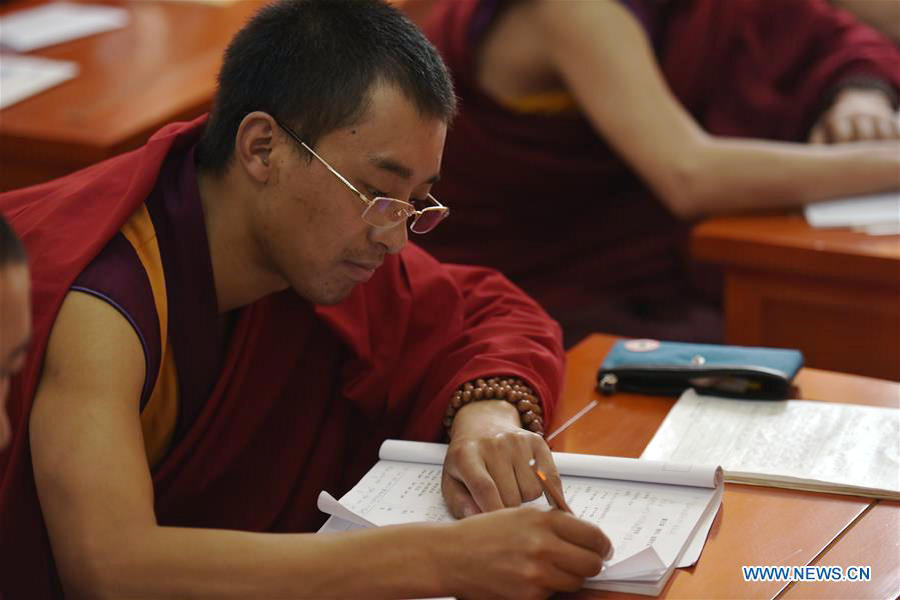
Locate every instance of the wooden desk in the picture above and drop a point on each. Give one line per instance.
(160, 68)
(873, 540)
(834, 294)
(756, 525)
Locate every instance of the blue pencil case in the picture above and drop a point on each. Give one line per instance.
(669, 368)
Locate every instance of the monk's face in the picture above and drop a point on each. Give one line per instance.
(312, 229)
(15, 332)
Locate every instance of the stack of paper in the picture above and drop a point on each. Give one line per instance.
(656, 514)
(796, 444)
(877, 214)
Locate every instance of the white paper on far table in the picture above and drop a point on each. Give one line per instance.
(824, 445)
(25, 76)
(57, 22)
(857, 211)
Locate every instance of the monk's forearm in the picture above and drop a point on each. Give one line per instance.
(734, 175)
(166, 562)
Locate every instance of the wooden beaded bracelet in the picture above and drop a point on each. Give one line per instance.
(511, 389)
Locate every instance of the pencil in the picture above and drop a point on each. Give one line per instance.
(556, 496)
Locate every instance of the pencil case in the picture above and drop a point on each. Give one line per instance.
(669, 368)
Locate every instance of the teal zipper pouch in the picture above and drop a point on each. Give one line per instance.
(669, 368)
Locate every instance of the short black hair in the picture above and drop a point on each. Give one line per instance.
(312, 64)
(11, 249)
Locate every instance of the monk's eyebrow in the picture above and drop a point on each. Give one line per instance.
(395, 168)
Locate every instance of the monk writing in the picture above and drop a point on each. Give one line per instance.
(230, 319)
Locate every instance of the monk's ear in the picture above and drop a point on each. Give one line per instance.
(253, 145)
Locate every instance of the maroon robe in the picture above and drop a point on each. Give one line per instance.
(306, 394)
(545, 200)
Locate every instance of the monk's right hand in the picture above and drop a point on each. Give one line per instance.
(525, 552)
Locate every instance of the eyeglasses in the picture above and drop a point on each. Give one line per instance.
(381, 211)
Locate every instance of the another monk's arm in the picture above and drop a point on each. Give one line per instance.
(96, 496)
(602, 54)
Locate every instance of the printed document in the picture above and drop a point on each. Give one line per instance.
(798, 444)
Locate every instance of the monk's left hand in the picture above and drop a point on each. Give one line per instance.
(486, 467)
(857, 115)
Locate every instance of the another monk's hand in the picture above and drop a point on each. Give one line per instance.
(486, 467)
(857, 115)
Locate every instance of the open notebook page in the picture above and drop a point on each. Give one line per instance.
(635, 515)
(589, 465)
(823, 445)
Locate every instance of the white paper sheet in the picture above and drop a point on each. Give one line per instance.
(337, 525)
(57, 22)
(879, 229)
(858, 211)
(639, 515)
(818, 443)
(634, 515)
(329, 505)
(25, 76)
(695, 547)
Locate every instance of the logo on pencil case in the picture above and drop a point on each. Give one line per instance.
(641, 345)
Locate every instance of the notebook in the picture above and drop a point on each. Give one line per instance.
(656, 514)
(796, 444)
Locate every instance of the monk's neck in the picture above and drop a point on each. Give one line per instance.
(240, 271)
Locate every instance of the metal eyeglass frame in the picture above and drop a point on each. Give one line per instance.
(405, 209)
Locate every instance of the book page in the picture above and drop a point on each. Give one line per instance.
(701, 474)
(825, 443)
(635, 515)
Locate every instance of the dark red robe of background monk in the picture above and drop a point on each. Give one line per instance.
(546, 201)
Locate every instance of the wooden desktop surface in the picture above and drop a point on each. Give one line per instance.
(756, 525)
(833, 293)
(160, 68)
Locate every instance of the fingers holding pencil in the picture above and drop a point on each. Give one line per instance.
(552, 489)
(602, 544)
